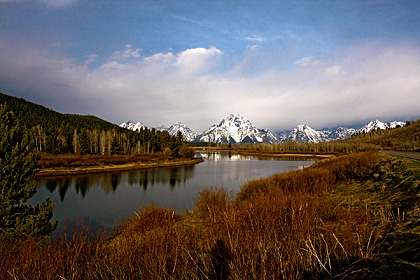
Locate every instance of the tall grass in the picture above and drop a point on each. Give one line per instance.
(284, 226)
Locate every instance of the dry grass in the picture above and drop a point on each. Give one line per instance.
(71, 160)
(284, 226)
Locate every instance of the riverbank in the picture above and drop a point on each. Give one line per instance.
(56, 165)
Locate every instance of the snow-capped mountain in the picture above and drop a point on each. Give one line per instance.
(395, 124)
(236, 129)
(341, 133)
(187, 133)
(304, 133)
(377, 124)
(132, 126)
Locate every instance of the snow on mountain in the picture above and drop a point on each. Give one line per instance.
(373, 125)
(395, 124)
(187, 133)
(377, 124)
(306, 134)
(236, 129)
(341, 133)
(132, 126)
(161, 128)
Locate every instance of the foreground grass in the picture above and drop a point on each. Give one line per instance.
(349, 217)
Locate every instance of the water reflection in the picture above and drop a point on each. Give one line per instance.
(105, 197)
(217, 156)
(109, 182)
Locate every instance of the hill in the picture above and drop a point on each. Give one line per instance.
(57, 133)
(402, 138)
(31, 114)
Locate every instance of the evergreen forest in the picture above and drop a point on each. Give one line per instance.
(56, 133)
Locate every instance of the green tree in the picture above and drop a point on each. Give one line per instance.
(18, 165)
(116, 148)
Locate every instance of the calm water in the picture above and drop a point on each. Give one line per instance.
(110, 197)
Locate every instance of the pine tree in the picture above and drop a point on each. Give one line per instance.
(18, 165)
(116, 148)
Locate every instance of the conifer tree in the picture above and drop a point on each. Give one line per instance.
(18, 165)
(116, 148)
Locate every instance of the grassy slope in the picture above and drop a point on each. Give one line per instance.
(392, 195)
(406, 138)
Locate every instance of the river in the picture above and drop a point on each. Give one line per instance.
(107, 198)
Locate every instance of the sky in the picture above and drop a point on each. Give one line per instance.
(277, 63)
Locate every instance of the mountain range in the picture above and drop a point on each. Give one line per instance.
(237, 129)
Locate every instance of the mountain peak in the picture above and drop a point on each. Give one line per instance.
(132, 126)
(233, 116)
(377, 124)
(237, 129)
(187, 133)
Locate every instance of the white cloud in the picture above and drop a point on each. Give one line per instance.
(250, 35)
(307, 60)
(253, 47)
(165, 87)
(91, 58)
(333, 70)
(128, 52)
(255, 37)
(185, 19)
(160, 58)
(198, 59)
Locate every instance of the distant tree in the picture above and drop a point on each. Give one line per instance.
(175, 143)
(167, 152)
(84, 142)
(18, 165)
(187, 152)
(116, 146)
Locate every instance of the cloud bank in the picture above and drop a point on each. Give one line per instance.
(200, 86)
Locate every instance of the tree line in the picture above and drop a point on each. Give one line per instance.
(56, 133)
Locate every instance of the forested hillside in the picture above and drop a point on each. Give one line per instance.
(405, 138)
(57, 133)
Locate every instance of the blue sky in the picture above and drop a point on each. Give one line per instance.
(277, 63)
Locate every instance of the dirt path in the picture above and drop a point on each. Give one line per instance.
(412, 155)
